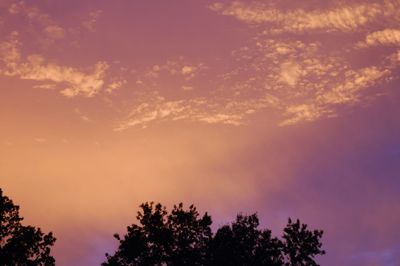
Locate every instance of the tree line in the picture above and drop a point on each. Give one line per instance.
(177, 238)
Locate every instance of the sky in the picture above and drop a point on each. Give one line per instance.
(284, 108)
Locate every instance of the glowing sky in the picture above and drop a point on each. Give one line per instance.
(287, 108)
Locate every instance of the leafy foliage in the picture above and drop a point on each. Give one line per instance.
(183, 237)
(19, 244)
(180, 238)
(301, 245)
(243, 243)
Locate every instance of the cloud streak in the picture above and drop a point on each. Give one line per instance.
(34, 67)
(157, 108)
(343, 18)
(386, 37)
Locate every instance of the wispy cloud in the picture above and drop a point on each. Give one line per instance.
(300, 79)
(115, 85)
(180, 69)
(46, 26)
(155, 109)
(34, 67)
(205, 110)
(290, 73)
(301, 113)
(54, 31)
(288, 65)
(383, 37)
(81, 115)
(348, 90)
(308, 77)
(345, 18)
(90, 23)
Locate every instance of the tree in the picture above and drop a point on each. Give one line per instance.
(242, 243)
(191, 236)
(183, 237)
(180, 238)
(301, 245)
(19, 244)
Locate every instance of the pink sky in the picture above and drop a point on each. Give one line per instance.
(285, 108)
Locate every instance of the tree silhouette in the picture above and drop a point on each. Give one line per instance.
(182, 237)
(243, 243)
(19, 244)
(301, 245)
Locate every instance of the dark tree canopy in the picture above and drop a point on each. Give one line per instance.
(19, 244)
(183, 237)
(178, 238)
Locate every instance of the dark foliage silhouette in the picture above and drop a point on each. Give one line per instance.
(301, 245)
(183, 237)
(178, 238)
(21, 245)
(243, 243)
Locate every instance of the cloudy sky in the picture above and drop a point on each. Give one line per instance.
(285, 108)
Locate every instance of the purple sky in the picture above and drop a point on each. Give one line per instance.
(285, 108)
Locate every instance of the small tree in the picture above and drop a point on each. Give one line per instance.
(184, 238)
(19, 244)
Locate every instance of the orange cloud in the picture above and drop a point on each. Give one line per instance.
(34, 67)
(348, 90)
(383, 37)
(345, 18)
